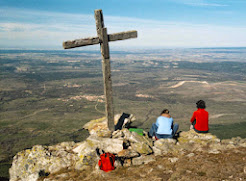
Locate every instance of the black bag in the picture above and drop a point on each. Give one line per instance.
(121, 121)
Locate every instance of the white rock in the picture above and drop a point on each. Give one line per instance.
(84, 148)
(161, 167)
(32, 177)
(128, 153)
(142, 148)
(173, 160)
(143, 160)
(117, 134)
(190, 155)
(157, 151)
(106, 144)
(163, 146)
(214, 151)
(188, 171)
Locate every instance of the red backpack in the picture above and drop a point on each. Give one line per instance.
(106, 162)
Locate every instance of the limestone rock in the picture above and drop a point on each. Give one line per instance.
(161, 167)
(157, 152)
(190, 155)
(214, 151)
(234, 142)
(173, 160)
(127, 153)
(118, 134)
(193, 137)
(142, 148)
(84, 148)
(29, 163)
(124, 133)
(117, 163)
(163, 146)
(138, 143)
(127, 163)
(136, 138)
(99, 126)
(106, 144)
(143, 160)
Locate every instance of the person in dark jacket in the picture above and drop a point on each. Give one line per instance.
(199, 118)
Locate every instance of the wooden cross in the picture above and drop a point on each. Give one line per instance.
(103, 38)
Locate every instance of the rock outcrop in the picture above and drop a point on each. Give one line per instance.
(130, 148)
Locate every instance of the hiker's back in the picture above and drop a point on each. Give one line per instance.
(201, 116)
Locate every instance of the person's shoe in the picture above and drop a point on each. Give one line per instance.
(149, 135)
(153, 138)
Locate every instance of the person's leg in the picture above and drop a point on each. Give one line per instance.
(153, 130)
(175, 128)
(163, 136)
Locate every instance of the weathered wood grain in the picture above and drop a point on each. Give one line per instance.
(99, 20)
(122, 35)
(80, 42)
(108, 92)
(95, 40)
(104, 44)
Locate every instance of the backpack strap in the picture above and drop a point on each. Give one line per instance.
(111, 161)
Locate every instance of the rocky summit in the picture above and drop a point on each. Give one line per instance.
(191, 156)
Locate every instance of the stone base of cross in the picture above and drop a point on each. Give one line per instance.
(103, 38)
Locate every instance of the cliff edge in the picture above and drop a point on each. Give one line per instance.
(191, 156)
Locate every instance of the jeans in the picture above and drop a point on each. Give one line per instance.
(154, 128)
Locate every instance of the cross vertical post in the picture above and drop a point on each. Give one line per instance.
(103, 39)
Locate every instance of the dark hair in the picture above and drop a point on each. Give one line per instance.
(200, 104)
(165, 111)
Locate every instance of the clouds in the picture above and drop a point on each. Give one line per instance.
(21, 27)
(207, 4)
(39, 29)
(18, 27)
(202, 3)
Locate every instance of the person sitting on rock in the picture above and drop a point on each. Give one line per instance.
(199, 119)
(164, 128)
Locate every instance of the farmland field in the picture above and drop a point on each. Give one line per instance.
(47, 96)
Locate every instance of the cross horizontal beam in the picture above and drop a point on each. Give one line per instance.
(95, 40)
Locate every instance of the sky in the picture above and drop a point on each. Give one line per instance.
(45, 24)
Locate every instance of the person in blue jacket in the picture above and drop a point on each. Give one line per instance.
(164, 127)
